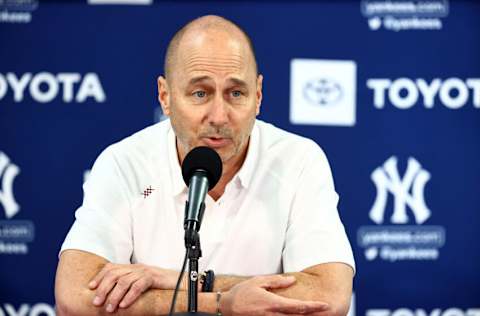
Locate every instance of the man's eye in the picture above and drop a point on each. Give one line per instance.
(200, 94)
(236, 94)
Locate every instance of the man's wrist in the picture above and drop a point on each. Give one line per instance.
(207, 303)
(221, 301)
(218, 299)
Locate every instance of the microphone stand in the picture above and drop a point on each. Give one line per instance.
(194, 252)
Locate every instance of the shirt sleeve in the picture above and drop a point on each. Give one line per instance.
(315, 233)
(103, 222)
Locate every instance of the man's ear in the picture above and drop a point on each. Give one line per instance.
(163, 95)
(259, 93)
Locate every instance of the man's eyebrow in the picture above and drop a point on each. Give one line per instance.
(196, 80)
(238, 82)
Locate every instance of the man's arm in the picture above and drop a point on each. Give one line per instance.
(74, 297)
(74, 294)
(329, 282)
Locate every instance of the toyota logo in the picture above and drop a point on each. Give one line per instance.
(322, 91)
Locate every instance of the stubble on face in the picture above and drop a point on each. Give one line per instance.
(187, 141)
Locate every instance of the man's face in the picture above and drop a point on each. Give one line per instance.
(214, 95)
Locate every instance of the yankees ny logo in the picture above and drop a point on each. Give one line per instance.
(8, 172)
(387, 179)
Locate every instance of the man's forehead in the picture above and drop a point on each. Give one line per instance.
(212, 34)
(213, 61)
(214, 50)
(202, 67)
(220, 44)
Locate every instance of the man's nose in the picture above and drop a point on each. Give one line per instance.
(218, 112)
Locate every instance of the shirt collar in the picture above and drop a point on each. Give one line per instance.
(178, 185)
(244, 174)
(246, 171)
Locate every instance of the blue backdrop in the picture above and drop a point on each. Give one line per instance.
(389, 89)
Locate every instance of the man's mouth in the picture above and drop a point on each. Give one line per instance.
(216, 142)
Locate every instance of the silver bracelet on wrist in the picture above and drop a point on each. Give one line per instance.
(219, 296)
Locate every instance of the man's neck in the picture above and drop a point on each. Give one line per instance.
(230, 169)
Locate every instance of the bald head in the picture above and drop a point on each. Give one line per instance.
(205, 25)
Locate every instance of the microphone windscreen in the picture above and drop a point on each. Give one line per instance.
(202, 158)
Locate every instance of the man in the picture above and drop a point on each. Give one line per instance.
(273, 210)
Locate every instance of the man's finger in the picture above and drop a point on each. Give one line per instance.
(278, 282)
(302, 308)
(106, 285)
(289, 314)
(293, 306)
(99, 276)
(134, 292)
(121, 288)
(292, 314)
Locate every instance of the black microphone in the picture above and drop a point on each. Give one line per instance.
(201, 170)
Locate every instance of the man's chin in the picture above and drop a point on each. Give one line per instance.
(224, 153)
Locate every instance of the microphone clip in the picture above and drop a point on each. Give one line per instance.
(192, 227)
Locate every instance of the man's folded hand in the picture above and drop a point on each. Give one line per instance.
(119, 285)
(252, 297)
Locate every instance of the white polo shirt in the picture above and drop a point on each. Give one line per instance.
(278, 214)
